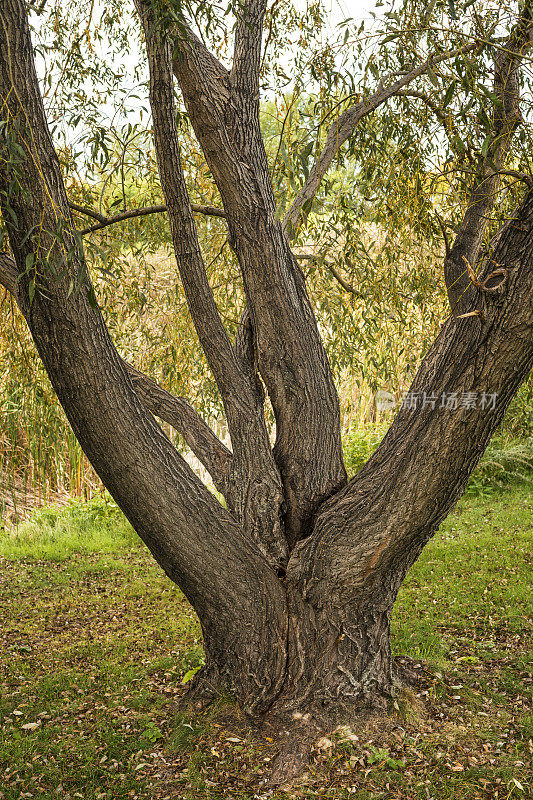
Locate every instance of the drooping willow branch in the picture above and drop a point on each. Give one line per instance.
(343, 127)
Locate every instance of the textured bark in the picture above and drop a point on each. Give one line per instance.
(313, 638)
(224, 111)
(464, 254)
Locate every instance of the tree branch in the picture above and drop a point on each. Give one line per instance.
(255, 477)
(520, 176)
(439, 113)
(291, 358)
(481, 360)
(104, 222)
(348, 287)
(344, 126)
(425, 99)
(466, 247)
(178, 412)
(209, 327)
(88, 212)
(224, 112)
(247, 52)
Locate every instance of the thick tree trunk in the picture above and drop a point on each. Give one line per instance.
(343, 579)
(313, 640)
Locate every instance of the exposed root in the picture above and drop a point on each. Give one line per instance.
(291, 736)
(295, 736)
(203, 690)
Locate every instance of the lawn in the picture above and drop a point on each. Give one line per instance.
(96, 643)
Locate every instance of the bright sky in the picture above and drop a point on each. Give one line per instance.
(336, 11)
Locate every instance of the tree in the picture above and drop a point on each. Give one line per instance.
(295, 577)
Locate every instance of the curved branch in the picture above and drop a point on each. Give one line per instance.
(104, 222)
(88, 212)
(412, 93)
(348, 287)
(439, 113)
(344, 126)
(506, 119)
(520, 176)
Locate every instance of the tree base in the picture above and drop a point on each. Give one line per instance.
(295, 732)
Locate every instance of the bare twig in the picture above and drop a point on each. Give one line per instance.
(520, 176)
(348, 287)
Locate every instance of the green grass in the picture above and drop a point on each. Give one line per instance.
(56, 533)
(472, 581)
(96, 641)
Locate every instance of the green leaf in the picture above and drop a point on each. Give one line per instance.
(486, 145)
(449, 94)
(190, 674)
(92, 299)
(493, 97)
(432, 77)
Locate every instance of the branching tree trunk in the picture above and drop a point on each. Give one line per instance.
(294, 582)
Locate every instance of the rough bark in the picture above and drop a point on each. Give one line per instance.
(256, 487)
(224, 111)
(315, 640)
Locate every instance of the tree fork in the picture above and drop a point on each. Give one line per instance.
(236, 594)
(290, 356)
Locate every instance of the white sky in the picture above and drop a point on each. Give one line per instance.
(336, 10)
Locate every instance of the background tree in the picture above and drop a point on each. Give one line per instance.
(293, 580)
